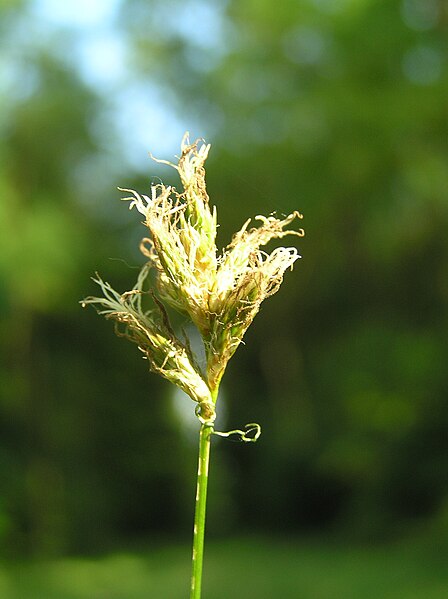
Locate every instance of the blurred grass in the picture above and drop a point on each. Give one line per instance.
(249, 568)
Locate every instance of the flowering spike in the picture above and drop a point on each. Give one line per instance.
(221, 294)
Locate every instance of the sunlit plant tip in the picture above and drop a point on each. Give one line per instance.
(220, 292)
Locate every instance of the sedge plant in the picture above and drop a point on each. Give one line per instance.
(218, 292)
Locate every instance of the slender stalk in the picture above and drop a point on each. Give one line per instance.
(200, 509)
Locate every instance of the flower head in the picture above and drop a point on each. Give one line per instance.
(220, 293)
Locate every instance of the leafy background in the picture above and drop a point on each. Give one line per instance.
(337, 109)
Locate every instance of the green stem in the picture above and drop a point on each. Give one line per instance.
(199, 515)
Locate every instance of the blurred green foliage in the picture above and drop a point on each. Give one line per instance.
(259, 567)
(336, 109)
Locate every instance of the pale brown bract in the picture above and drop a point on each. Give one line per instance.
(220, 292)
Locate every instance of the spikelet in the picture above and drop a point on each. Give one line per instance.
(246, 276)
(153, 334)
(183, 232)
